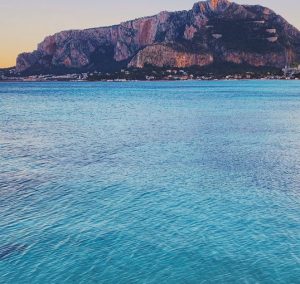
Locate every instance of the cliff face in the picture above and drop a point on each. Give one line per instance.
(161, 56)
(212, 31)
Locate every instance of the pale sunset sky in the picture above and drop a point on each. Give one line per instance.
(25, 23)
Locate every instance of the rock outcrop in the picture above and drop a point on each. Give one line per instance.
(212, 31)
(165, 56)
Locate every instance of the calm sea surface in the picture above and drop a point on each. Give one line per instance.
(162, 182)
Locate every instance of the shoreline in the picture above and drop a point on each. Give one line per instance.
(129, 81)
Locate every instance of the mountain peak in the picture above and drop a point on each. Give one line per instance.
(218, 4)
(214, 31)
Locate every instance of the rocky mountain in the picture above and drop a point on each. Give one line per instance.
(214, 31)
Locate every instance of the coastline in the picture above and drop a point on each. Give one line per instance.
(164, 80)
(153, 74)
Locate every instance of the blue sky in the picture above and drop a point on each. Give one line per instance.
(24, 23)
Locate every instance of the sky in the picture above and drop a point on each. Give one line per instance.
(25, 23)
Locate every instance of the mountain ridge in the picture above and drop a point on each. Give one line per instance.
(212, 31)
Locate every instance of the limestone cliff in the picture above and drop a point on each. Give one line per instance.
(165, 56)
(212, 31)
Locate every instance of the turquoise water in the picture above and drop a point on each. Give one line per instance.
(162, 182)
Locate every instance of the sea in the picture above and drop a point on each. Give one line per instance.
(150, 182)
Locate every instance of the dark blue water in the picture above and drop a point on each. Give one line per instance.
(166, 182)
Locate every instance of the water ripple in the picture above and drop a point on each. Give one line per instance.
(181, 182)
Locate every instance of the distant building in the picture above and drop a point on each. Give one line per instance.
(291, 71)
